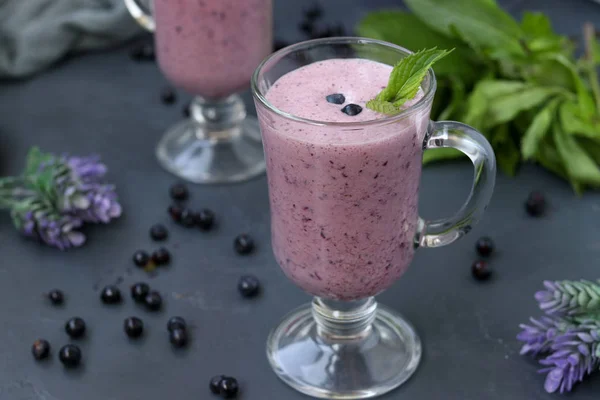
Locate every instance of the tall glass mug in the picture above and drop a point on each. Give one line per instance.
(345, 224)
(210, 48)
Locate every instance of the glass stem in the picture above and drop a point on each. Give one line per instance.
(221, 118)
(344, 320)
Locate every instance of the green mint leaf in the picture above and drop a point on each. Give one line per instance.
(537, 130)
(399, 27)
(580, 167)
(573, 124)
(536, 24)
(507, 152)
(482, 21)
(383, 107)
(405, 80)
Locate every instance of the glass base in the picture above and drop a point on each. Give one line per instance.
(217, 144)
(327, 363)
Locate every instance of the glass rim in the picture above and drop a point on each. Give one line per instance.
(256, 93)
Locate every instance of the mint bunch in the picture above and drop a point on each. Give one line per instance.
(405, 80)
(518, 82)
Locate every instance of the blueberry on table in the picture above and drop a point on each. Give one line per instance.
(352, 109)
(167, 96)
(175, 212)
(139, 291)
(110, 295)
(153, 301)
(161, 256)
(243, 244)
(535, 204)
(307, 27)
(70, 355)
(176, 323)
(188, 218)
(141, 258)
(40, 349)
(178, 337)
(336, 98)
(158, 232)
(134, 327)
(56, 297)
(179, 191)
(215, 384)
(204, 219)
(229, 387)
(484, 246)
(75, 327)
(313, 13)
(480, 270)
(249, 286)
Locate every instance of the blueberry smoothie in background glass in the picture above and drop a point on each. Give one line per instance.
(343, 189)
(210, 48)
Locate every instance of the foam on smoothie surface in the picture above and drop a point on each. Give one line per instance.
(302, 92)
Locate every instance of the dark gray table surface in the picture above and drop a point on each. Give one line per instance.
(107, 104)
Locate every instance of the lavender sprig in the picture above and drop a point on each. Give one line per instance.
(569, 298)
(56, 195)
(568, 338)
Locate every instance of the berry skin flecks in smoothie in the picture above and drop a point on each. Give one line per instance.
(211, 47)
(343, 198)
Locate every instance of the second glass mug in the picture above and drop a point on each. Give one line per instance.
(345, 225)
(210, 48)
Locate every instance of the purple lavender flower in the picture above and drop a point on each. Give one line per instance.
(539, 335)
(87, 169)
(55, 230)
(573, 357)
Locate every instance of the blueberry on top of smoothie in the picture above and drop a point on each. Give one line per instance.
(336, 98)
(352, 109)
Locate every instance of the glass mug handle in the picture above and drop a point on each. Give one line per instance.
(141, 11)
(472, 143)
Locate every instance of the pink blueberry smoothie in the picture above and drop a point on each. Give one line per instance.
(211, 47)
(344, 197)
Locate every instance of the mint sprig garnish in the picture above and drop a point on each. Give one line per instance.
(405, 80)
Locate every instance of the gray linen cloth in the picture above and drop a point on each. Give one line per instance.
(36, 33)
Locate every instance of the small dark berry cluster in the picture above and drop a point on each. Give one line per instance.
(159, 257)
(70, 355)
(310, 25)
(535, 205)
(480, 269)
(349, 109)
(203, 219)
(226, 386)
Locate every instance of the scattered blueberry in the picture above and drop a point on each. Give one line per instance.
(70, 355)
(176, 323)
(249, 286)
(40, 349)
(178, 337)
(179, 191)
(484, 246)
(175, 212)
(280, 44)
(75, 327)
(134, 327)
(215, 383)
(313, 13)
(139, 291)
(188, 218)
(153, 301)
(187, 110)
(535, 204)
(161, 256)
(229, 387)
(144, 52)
(307, 27)
(481, 270)
(56, 297)
(336, 98)
(352, 109)
(204, 219)
(167, 96)
(243, 244)
(141, 258)
(158, 232)
(110, 295)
